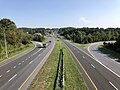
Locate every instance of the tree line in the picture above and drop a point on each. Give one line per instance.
(89, 35)
(17, 37)
(113, 46)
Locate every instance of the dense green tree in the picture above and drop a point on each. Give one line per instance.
(7, 24)
(89, 35)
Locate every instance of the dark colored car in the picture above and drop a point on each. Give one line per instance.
(44, 45)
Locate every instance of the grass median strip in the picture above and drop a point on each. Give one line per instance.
(46, 77)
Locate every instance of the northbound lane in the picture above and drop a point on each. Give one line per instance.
(96, 76)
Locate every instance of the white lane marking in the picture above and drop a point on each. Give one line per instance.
(30, 62)
(102, 63)
(14, 67)
(96, 60)
(39, 54)
(113, 85)
(12, 78)
(26, 59)
(0, 76)
(23, 61)
(92, 65)
(7, 71)
(37, 51)
(19, 63)
(29, 57)
(83, 56)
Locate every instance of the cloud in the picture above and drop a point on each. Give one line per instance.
(83, 20)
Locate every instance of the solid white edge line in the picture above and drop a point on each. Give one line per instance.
(97, 60)
(12, 78)
(102, 63)
(113, 85)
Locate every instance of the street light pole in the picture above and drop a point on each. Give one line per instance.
(5, 44)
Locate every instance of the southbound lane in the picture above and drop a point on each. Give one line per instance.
(96, 76)
(14, 75)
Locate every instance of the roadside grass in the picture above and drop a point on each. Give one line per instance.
(82, 45)
(46, 76)
(15, 51)
(78, 44)
(110, 53)
(45, 40)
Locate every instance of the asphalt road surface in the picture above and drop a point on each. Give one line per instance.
(95, 74)
(105, 59)
(17, 73)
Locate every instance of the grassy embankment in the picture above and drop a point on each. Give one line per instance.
(14, 51)
(80, 45)
(46, 77)
(110, 53)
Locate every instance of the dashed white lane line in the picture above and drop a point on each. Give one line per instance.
(93, 66)
(96, 60)
(26, 59)
(0, 76)
(83, 56)
(12, 78)
(39, 55)
(14, 67)
(7, 71)
(29, 57)
(113, 85)
(19, 63)
(23, 61)
(30, 62)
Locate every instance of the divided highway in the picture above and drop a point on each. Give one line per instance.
(17, 73)
(96, 75)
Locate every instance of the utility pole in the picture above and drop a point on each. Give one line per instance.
(3, 28)
(5, 44)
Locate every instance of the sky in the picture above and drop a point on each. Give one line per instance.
(62, 13)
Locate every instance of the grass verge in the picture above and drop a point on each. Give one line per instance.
(110, 53)
(78, 44)
(16, 51)
(45, 40)
(45, 78)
